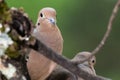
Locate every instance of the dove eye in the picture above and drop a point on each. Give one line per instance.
(41, 15)
(93, 61)
(38, 24)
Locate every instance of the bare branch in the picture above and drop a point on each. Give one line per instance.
(107, 33)
(109, 28)
(63, 61)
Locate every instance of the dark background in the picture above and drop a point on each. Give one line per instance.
(83, 24)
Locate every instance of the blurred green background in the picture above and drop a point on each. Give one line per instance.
(83, 24)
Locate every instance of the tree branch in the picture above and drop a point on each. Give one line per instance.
(64, 62)
(109, 28)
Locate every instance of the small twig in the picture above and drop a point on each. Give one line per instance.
(107, 33)
(109, 28)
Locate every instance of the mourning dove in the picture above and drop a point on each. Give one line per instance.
(39, 67)
(62, 74)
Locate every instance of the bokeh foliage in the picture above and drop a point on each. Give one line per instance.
(83, 24)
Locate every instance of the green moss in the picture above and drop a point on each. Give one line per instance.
(2, 29)
(13, 50)
(4, 13)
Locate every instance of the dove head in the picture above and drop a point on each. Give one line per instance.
(88, 65)
(84, 55)
(46, 17)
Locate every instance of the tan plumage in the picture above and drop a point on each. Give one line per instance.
(39, 67)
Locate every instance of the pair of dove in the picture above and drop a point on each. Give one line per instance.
(40, 67)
